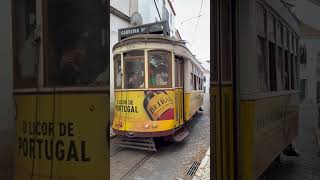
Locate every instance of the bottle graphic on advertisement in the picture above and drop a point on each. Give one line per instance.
(158, 105)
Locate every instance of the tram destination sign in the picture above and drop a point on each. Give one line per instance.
(152, 28)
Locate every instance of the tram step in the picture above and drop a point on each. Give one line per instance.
(147, 144)
(180, 135)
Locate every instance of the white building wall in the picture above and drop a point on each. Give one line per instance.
(6, 103)
(115, 24)
(308, 71)
(148, 11)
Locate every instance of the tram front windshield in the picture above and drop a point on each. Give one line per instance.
(159, 69)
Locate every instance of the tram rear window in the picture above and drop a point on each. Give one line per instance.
(159, 69)
(134, 69)
(76, 46)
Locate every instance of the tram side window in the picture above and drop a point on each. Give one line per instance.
(159, 69)
(280, 73)
(262, 65)
(297, 72)
(286, 70)
(133, 62)
(292, 74)
(272, 67)
(195, 82)
(76, 44)
(26, 50)
(117, 71)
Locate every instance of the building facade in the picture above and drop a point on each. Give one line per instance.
(310, 65)
(120, 17)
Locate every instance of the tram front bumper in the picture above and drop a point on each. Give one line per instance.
(144, 134)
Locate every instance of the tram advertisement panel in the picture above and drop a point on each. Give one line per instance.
(132, 107)
(59, 143)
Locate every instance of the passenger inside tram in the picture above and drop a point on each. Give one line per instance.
(158, 69)
(72, 65)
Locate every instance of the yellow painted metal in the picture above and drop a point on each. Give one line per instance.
(223, 117)
(246, 139)
(75, 124)
(135, 117)
(193, 101)
(267, 127)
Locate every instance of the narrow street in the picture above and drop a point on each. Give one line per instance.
(306, 166)
(171, 161)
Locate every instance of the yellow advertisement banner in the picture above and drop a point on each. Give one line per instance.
(134, 108)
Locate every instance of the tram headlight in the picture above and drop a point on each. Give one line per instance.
(147, 126)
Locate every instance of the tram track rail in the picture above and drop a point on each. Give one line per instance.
(138, 165)
(117, 151)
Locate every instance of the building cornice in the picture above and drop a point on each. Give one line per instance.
(119, 14)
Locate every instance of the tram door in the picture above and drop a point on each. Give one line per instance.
(222, 80)
(179, 91)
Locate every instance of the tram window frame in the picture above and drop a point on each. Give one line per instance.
(81, 43)
(116, 73)
(169, 73)
(134, 58)
(191, 83)
(280, 70)
(262, 68)
(297, 72)
(279, 33)
(272, 27)
(261, 20)
(272, 67)
(24, 34)
(286, 70)
(292, 72)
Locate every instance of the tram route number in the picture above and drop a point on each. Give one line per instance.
(46, 140)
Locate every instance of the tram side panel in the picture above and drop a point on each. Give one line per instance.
(269, 126)
(144, 112)
(59, 141)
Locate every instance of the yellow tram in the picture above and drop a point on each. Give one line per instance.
(60, 89)
(255, 91)
(158, 85)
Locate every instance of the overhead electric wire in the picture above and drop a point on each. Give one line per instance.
(195, 30)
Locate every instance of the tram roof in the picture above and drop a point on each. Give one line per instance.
(156, 38)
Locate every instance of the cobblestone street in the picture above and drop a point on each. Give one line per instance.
(306, 166)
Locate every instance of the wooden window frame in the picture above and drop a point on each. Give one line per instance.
(170, 75)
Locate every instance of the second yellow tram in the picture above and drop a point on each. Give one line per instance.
(158, 86)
